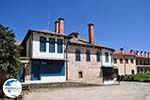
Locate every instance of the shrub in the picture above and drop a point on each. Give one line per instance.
(137, 77)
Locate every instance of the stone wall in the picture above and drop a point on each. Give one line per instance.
(28, 72)
(27, 68)
(56, 85)
(91, 71)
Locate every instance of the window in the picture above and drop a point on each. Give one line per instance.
(141, 62)
(121, 61)
(42, 44)
(141, 70)
(115, 60)
(132, 61)
(106, 57)
(144, 62)
(98, 56)
(80, 74)
(132, 71)
(137, 62)
(78, 56)
(51, 45)
(145, 70)
(59, 45)
(126, 61)
(88, 55)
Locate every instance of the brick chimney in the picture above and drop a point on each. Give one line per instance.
(61, 26)
(137, 52)
(91, 33)
(141, 53)
(131, 51)
(145, 54)
(121, 49)
(148, 54)
(56, 26)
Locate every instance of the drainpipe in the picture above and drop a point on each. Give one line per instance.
(101, 74)
(101, 58)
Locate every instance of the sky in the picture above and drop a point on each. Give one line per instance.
(117, 23)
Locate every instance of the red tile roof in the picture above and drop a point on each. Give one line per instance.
(128, 53)
(123, 53)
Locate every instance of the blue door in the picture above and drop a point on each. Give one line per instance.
(35, 72)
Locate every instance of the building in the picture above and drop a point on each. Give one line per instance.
(87, 61)
(43, 55)
(56, 57)
(143, 61)
(125, 61)
(131, 62)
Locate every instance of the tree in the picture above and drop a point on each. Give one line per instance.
(9, 53)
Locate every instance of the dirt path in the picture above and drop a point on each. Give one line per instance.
(124, 91)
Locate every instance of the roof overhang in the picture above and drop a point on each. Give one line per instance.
(44, 32)
(92, 45)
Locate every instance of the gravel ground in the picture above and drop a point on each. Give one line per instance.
(124, 91)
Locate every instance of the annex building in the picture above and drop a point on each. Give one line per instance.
(131, 62)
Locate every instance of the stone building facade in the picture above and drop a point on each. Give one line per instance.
(83, 71)
(87, 61)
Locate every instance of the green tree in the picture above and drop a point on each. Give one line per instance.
(9, 53)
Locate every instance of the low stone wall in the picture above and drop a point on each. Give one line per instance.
(59, 84)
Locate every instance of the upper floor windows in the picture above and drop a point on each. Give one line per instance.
(141, 63)
(121, 60)
(98, 56)
(88, 58)
(132, 61)
(51, 45)
(78, 55)
(106, 57)
(127, 61)
(115, 60)
(59, 46)
(43, 44)
(137, 62)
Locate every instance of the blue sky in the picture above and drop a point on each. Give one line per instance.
(118, 23)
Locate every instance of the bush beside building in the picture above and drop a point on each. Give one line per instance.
(142, 77)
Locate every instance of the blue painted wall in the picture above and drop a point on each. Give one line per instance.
(47, 68)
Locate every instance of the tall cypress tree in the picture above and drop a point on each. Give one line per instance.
(9, 54)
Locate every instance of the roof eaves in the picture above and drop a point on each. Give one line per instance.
(92, 45)
(31, 31)
(52, 33)
(26, 36)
